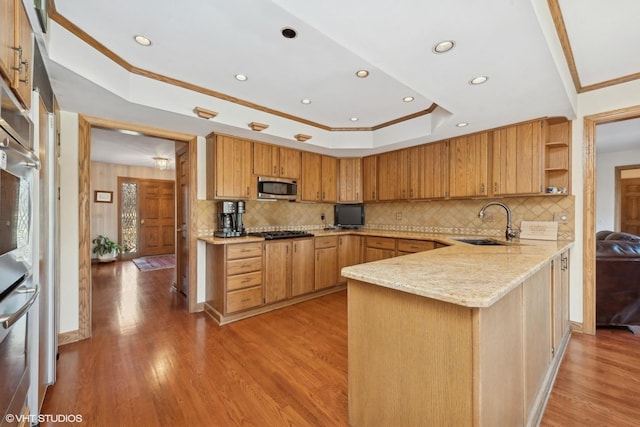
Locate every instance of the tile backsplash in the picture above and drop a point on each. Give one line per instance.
(447, 216)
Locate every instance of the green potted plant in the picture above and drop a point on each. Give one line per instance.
(105, 248)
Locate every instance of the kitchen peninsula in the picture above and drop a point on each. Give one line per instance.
(461, 335)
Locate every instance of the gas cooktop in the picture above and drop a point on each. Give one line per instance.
(283, 234)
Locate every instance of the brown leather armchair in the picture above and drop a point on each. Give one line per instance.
(617, 279)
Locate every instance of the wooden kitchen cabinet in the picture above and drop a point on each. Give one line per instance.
(319, 175)
(560, 297)
(326, 262)
(277, 271)
(302, 267)
(350, 180)
(410, 246)
(468, 165)
(377, 248)
(557, 155)
(428, 171)
(369, 178)
(517, 159)
(234, 278)
(16, 49)
(349, 253)
(271, 160)
(229, 168)
(393, 175)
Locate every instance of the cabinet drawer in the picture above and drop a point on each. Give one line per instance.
(388, 243)
(326, 242)
(407, 245)
(247, 250)
(243, 299)
(241, 281)
(240, 266)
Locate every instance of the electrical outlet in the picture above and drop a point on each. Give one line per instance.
(561, 217)
(398, 216)
(321, 217)
(488, 217)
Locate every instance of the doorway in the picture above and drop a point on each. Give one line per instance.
(85, 125)
(146, 217)
(628, 199)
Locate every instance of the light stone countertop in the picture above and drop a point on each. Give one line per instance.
(462, 274)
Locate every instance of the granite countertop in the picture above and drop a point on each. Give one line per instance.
(462, 274)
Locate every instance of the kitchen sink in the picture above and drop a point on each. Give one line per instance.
(482, 242)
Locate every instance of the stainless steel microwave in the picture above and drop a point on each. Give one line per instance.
(277, 188)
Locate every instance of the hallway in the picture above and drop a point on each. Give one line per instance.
(150, 363)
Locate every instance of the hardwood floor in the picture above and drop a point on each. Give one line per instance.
(598, 383)
(150, 363)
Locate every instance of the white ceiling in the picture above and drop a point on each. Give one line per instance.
(203, 44)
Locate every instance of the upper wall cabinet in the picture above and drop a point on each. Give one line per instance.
(393, 175)
(271, 160)
(468, 162)
(557, 158)
(229, 168)
(517, 159)
(350, 180)
(318, 178)
(369, 178)
(428, 171)
(16, 49)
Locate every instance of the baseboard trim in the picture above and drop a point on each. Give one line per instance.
(576, 327)
(69, 337)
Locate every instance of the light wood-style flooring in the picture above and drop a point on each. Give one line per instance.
(150, 363)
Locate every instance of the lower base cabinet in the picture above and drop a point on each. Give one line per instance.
(419, 361)
(326, 262)
(302, 267)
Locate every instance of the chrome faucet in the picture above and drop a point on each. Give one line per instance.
(510, 233)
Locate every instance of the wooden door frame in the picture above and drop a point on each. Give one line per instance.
(85, 124)
(588, 210)
(617, 220)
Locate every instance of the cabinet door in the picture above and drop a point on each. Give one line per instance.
(265, 159)
(560, 293)
(369, 178)
(517, 159)
(468, 165)
(22, 77)
(232, 168)
(350, 180)
(311, 177)
(289, 163)
(393, 171)
(428, 168)
(329, 179)
(349, 253)
(277, 271)
(7, 38)
(302, 267)
(326, 267)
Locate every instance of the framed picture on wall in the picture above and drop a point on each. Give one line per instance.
(103, 196)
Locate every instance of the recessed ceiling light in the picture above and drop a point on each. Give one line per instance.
(478, 80)
(288, 33)
(241, 77)
(306, 101)
(354, 119)
(142, 40)
(362, 73)
(408, 98)
(444, 46)
(462, 124)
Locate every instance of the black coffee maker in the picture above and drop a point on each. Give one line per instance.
(230, 219)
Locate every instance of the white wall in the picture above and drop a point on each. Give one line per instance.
(69, 243)
(606, 184)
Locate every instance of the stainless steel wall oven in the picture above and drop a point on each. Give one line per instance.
(17, 292)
